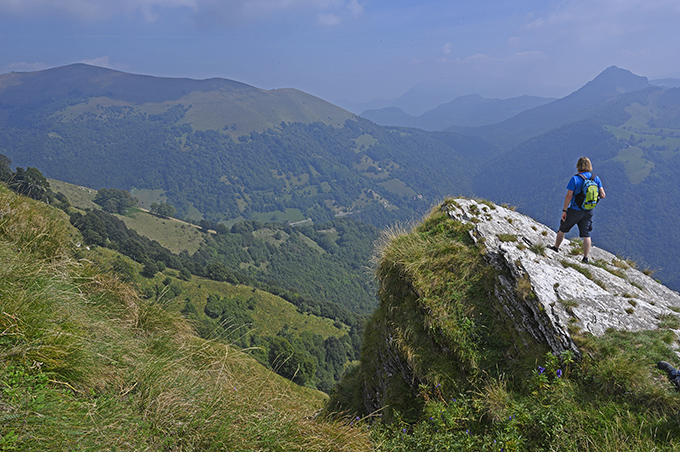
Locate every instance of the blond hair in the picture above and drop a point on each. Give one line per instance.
(584, 165)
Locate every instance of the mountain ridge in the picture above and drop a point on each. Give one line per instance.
(579, 105)
(86, 88)
(471, 110)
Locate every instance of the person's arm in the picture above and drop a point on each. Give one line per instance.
(602, 193)
(567, 201)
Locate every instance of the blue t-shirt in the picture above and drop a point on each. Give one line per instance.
(575, 184)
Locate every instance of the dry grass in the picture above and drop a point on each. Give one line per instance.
(86, 364)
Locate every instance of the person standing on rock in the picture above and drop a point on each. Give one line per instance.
(574, 212)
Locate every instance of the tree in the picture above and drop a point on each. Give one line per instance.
(163, 210)
(6, 172)
(114, 200)
(214, 306)
(290, 363)
(150, 269)
(30, 183)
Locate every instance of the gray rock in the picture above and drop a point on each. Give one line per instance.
(561, 293)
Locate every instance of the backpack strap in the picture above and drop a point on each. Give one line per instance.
(592, 176)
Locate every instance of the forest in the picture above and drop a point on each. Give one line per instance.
(320, 170)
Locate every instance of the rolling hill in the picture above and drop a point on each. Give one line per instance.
(222, 150)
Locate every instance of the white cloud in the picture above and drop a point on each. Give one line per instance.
(329, 19)
(153, 10)
(446, 49)
(355, 7)
(595, 20)
(22, 66)
(92, 10)
(105, 61)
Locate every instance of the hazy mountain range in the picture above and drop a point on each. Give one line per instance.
(226, 151)
(467, 111)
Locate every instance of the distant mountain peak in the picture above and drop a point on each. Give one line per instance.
(613, 81)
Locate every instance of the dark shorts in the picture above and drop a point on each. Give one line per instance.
(582, 218)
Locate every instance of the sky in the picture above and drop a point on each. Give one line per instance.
(351, 52)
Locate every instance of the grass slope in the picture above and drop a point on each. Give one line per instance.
(86, 364)
(173, 234)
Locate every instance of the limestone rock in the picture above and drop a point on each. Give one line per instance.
(561, 293)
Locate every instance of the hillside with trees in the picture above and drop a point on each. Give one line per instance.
(322, 163)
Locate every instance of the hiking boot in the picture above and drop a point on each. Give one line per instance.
(554, 248)
(671, 372)
(584, 260)
(666, 367)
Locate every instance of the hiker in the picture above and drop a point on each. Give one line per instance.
(577, 208)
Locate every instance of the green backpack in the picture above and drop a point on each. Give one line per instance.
(589, 194)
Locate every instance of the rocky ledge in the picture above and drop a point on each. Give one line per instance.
(550, 295)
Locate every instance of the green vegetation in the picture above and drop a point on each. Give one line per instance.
(87, 364)
(261, 256)
(114, 201)
(206, 174)
(472, 390)
(329, 258)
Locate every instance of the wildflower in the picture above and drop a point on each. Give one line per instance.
(559, 373)
(541, 370)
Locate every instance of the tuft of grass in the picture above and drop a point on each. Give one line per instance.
(579, 268)
(620, 263)
(576, 247)
(569, 305)
(604, 265)
(507, 237)
(669, 321)
(524, 289)
(538, 248)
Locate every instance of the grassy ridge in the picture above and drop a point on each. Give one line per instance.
(86, 364)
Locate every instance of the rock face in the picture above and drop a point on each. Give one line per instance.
(560, 293)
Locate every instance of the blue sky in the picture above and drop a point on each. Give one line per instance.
(352, 50)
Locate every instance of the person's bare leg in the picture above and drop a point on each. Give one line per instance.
(559, 238)
(586, 246)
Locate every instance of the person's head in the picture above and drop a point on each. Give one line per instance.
(584, 165)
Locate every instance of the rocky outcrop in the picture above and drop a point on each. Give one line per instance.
(550, 295)
(475, 290)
